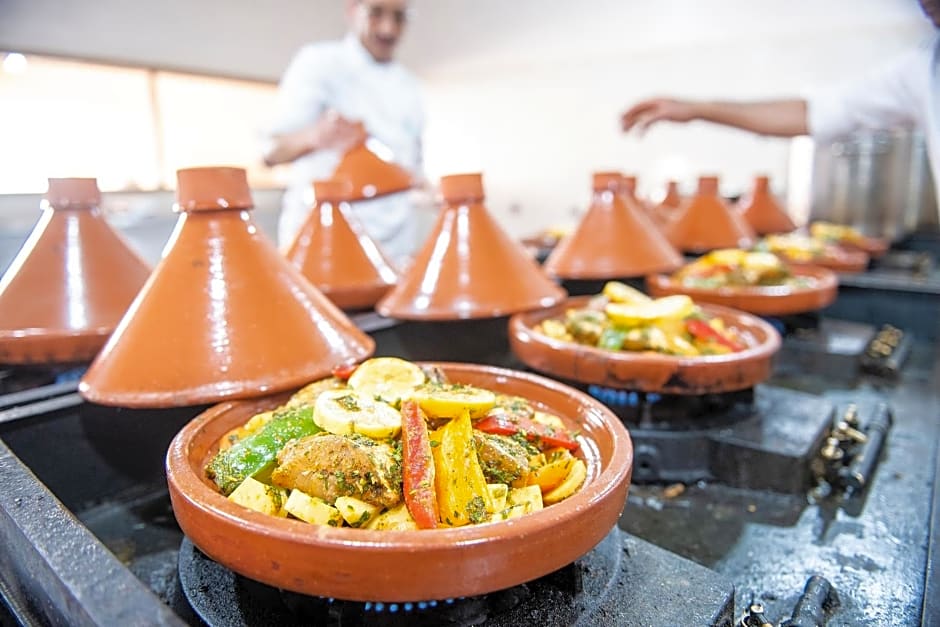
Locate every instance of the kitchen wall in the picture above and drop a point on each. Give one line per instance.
(528, 91)
(535, 100)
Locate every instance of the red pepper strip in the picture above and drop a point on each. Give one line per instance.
(501, 424)
(417, 466)
(710, 271)
(344, 371)
(704, 331)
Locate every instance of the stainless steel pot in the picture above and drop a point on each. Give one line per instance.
(877, 181)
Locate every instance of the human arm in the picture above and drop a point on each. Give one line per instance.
(781, 118)
(303, 120)
(330, 131)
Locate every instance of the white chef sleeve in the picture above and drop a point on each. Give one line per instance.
(302, 92)
(885, 98)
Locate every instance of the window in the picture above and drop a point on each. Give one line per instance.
(131, 128)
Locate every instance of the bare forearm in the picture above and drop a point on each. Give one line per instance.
(289, 147)
(780, 118)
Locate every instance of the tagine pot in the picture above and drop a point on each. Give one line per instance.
(705, 222)
(369, 175)
(223, 315)
(369, 564)
(469, 267)
(615, 239)
(67, 288)
(668, 208)
(762, 211)
(335, 253)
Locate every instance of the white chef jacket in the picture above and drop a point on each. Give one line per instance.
(342, 75)
(904, 92)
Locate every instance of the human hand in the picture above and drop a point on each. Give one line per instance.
(646, 112)
(335, 132)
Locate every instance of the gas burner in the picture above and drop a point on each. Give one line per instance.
(795, 323)
(675, 412)
(619, 582)
(764, 438)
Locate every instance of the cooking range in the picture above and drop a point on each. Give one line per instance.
(807, 498)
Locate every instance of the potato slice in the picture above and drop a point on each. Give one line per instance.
(499, 492)
(313, 510)
(529, 497)
(260, 497)
(397, 518)
(567, 487)
(554, 471)
(356, 513)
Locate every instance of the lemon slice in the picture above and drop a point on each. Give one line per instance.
(449, 400)
(618, 292)
(724, 257)
(387, 378)
(669, 307)
(344, 412)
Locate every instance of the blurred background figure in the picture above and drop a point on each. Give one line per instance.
(331, 95)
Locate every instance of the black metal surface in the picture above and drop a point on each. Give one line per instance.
(53, 570)
(622, 581)
(872, 546)
(930, 610)
(766, 444)
(483, 341)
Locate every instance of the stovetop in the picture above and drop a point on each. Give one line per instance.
(105, 548)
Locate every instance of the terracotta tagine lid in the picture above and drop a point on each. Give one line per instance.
(668, 208)
(705, 222)
(336, 254)
(70, 283)
(469, 267)
(615, 239)
(223, 314)
(762, 211)
(673, 198)
(369, 174)
(628, 190)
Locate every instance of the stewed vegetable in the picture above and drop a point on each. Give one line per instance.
(625, 319)
(386, 445)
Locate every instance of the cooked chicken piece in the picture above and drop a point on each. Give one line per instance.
(329, 466)
(585, 325)
(502, 459)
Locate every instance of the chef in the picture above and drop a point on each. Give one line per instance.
(328, 89)
(905, 92)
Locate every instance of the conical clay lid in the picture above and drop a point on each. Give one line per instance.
(70, 283)
(336, 254)
(705, 222)
(668, 208)
(223, 315)
(615, 239)
(370, 175)
(469, 267)
(762, 211)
